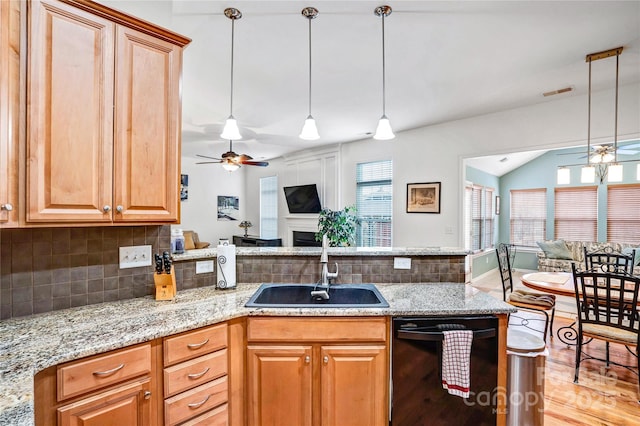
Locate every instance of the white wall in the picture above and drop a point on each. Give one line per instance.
(199, 212)
(434, 154)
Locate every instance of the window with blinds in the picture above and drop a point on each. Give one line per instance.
(269, 207)
(576, 213)
(528, 221)
(479, 219)
(623, 213)
(374, 203)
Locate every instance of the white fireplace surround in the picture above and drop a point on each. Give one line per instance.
(302, 223)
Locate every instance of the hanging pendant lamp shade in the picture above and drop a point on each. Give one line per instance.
(230, 130)
(383, 131)
(309, 130)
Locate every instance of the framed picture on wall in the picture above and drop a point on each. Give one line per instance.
(228, 207)
(423, 197)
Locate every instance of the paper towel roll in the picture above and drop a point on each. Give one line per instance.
(226, 258)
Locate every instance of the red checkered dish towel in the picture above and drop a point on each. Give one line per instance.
(456, 351)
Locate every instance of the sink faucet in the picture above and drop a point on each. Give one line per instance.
(325, 275)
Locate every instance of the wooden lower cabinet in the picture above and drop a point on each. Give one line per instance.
(353, 383)
(280, 379)
(336, 377)
(128, 404)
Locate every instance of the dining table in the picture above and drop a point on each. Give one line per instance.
(558, 283)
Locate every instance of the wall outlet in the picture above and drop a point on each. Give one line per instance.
(204, 266)
(135, 256)
(401, 263)
(448, 230)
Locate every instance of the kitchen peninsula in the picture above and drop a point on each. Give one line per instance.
(32, 344)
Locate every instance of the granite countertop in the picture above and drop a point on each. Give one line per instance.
(31, 344)
(332, 251)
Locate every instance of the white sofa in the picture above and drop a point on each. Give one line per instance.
(577, 254)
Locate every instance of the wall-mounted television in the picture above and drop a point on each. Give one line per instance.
(302, 198)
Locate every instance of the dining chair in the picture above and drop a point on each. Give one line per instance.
(607, 310)
(607, 260)
(527, 300)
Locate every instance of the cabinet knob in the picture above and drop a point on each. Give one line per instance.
(147, 394)
(325, 359)
(307, 359)
(106, 209)
(8, 207)
(119, 209)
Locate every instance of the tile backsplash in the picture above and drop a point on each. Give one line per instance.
(46, 269)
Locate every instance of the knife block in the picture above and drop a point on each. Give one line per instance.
(165, 285)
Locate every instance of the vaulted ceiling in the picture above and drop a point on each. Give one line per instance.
(446, 60)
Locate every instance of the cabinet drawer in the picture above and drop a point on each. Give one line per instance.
(277, 329)
(195, 401)
(87, 375)
(192, 373)
(194, 343)
(216, 417)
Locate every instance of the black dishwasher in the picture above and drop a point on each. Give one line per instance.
(418, 397)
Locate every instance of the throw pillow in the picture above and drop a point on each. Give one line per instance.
(188, 240)
(556, 249)
(627, 251)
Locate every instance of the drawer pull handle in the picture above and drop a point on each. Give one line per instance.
(197, 345)
(107, 372)
(199, 404)
(198, 375)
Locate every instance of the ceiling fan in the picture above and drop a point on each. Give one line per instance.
(232, 161)
(605, 152)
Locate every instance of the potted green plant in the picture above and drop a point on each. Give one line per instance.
(339, 226)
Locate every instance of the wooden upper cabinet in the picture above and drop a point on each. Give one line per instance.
(9, 111)
(147, 154)
(103, 116)
(70, 114)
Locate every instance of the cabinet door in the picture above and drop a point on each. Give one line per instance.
(125, 405)
(279, 385)
(354, 385)
(147, 139)
(69, 114)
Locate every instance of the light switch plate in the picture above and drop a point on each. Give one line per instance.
(401, 263)
(204, 266)
(135, 256)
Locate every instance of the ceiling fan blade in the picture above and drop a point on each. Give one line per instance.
(625, 151)
(255, 163)
(210, 158)
(210, 162)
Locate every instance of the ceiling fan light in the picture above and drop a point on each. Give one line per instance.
(309, 130)
(230, 130)
(608, 157)
(230, 167)
(383, 131)
(614, 174)
(564, 176)
(588, 174)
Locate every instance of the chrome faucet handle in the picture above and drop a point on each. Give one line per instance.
(332, 275)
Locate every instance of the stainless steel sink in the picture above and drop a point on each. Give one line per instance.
(299, 296)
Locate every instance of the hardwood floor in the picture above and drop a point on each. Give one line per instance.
(602, 396)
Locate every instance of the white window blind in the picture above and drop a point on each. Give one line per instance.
(576, 213)
(479, 217)
(528, 221)
(374, 203)
(269, 207)
(623, 213)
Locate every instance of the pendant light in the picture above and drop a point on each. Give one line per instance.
(309, 130)
(607, 163)
(230, 130)
(383, 131)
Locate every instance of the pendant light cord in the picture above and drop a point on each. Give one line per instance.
(615, 131)
(309, 66)
(233, 22)
(384, 113)
(589, 120)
